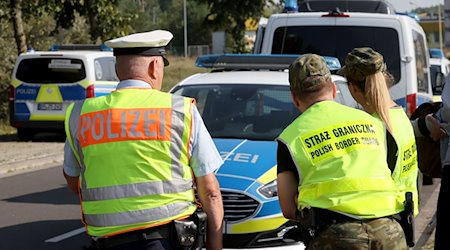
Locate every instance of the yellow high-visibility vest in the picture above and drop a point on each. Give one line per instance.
(406, 167)
(133, 149)
(341, 157)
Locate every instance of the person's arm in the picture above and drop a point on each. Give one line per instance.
(436, 131)
(209, 193)
(204, 161)
(287, 184)
(71, 168)
(72, 182)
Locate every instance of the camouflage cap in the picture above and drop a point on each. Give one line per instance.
(308, 71)
(362, 62)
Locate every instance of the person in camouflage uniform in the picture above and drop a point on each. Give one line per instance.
(332, 165)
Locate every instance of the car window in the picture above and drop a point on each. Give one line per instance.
(421, 62)
(256, 112)
(51, 70)
(337, 41)
(105, 69)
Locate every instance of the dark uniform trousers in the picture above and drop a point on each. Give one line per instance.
(157, 238)
(441, 241)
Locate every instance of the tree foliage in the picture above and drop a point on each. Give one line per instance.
(46, 22)
(231, 16)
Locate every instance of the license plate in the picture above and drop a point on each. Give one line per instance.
(49, 106)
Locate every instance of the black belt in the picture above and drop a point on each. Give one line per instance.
(160, 232)
(327, 217)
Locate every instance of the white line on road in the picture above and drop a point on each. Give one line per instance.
(66, 235)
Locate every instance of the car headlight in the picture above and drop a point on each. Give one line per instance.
(269, 190)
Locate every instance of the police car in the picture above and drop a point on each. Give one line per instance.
(44, 83)
(245, 102)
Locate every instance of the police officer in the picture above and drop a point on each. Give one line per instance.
(366, 75)
(437, 127)
(332, 168)
(132, 156)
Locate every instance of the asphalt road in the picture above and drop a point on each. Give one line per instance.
(37, 211)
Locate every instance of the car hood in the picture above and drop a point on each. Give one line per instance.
(247, 164)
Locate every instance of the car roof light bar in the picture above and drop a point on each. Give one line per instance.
(336, 13)
(255, 61)
(101, 47)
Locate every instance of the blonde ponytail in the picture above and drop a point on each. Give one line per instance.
(378, 97)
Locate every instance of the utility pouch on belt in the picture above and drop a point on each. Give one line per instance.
(407, 219)
(190, 232)
(305, 228)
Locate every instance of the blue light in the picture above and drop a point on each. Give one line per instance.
(332, 62)
(255, 61)
(104, 47)
(54, 47)
(290, 6)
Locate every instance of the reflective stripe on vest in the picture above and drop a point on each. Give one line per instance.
(125, 206)
(341, 161)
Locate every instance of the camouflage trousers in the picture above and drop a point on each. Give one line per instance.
(382, 233)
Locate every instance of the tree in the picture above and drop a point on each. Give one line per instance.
(231, 16)
(19, 34)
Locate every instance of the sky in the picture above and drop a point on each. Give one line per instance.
(407, 5)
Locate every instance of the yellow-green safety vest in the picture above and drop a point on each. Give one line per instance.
(406, 167)
(133, 149)
(341, 157)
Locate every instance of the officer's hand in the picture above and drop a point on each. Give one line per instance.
(437, 132)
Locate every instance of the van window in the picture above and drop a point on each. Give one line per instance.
(421, 62)
(337, 41)
(105, 69)
(50, 70)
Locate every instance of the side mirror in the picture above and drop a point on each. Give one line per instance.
(440, 81)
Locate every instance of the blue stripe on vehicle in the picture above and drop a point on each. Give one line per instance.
(233, 182)
(27, 92)
(21, 112)
(269, 208)
(251, 159)
(72, 92)
(419, 98)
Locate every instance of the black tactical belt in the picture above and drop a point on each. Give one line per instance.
(160, 232)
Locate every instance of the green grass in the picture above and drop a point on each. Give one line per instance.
(5, 129)
(179, 68)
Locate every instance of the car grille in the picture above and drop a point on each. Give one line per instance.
(238, 206)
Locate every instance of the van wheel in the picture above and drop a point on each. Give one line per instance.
(25, 134)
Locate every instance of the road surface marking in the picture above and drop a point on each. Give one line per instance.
(66, 235)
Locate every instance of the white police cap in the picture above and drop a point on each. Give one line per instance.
(150, 43)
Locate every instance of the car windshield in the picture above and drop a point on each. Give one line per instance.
(338, 41)
(255, 112)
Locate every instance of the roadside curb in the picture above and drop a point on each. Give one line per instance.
(24, 166)
(425, 222)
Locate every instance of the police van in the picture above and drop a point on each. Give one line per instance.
(399, 38)
(44, 83)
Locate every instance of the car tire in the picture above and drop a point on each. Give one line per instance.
(25, 134)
